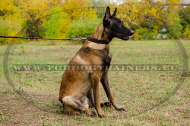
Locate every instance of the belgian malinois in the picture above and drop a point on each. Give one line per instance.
(80, 88)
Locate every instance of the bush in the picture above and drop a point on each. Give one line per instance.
(53, 26)
(82, 28)
(3, 30)
(187, 33)
(140, 33)
(8, 28)
(176, 29)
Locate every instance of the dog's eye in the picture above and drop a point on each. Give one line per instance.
(120, 25)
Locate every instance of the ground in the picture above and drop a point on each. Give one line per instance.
(34, 100)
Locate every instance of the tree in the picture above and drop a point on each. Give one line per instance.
(100, 5)
(128, 12)
(10, 19)
(34, 12)
(149, 14)
(8, 10)
(184, 15)
(77, 9)
(55, 25)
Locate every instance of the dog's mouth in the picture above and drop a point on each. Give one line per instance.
(131, 36)
(125, 37)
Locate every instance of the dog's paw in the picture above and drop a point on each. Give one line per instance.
(106, 104)
(101, 116)
(120, 109)
(92, 114)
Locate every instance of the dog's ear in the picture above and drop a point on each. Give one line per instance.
(107, 16)
(114, 13)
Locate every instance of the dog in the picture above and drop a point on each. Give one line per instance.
(80, 88)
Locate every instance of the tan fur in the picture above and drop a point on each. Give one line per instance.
(76, 84)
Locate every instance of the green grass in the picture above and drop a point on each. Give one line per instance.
(136, 91)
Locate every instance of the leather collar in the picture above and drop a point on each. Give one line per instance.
(97, 41)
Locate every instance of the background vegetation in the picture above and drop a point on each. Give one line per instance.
(74, 18)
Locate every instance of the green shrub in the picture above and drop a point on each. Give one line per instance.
(53, 26)
(140, 33)
(175, 31)
(8, 28)
(187, 32)
(4, 30)
(82, 28)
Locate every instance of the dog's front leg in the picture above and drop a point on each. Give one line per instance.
(95, 78)
(90, 97)
(105, 83)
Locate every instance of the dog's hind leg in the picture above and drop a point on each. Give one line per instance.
(71, 110)
(60, 99)
(76, 106)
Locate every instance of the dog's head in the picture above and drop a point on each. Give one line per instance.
(115, 27)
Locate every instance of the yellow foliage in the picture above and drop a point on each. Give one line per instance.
(128, 12)
(174, 1)
(142, 15)
(187, 33)
(34, 9)
(9, 10)
(133, 12)
(10, 14)
(76, 9)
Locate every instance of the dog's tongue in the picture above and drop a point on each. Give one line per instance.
(131, 36)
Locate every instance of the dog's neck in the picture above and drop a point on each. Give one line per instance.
(99, 34)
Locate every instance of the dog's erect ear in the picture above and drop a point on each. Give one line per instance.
(114, 13)
(107, 16)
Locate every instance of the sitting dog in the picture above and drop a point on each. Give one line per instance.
(79, 88)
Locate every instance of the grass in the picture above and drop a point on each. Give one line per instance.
(136, 91)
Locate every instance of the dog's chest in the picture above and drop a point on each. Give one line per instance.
(95, 55)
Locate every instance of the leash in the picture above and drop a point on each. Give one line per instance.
(80, 38)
